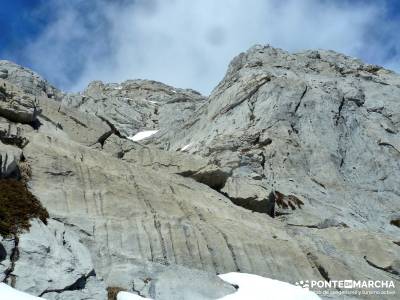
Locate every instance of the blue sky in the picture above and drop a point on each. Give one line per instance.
(185, 43)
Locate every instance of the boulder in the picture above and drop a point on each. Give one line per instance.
(53, 263)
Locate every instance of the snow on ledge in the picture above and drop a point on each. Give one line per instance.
(142, 135)
(254, 287)
(8, 293)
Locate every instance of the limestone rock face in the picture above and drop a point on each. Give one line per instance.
(9, 158)
(196, 167)
(16, 106)
(289, 169)
(143, 220)
(28, 81)
(318, 125)
(177, 283)
(136, 104)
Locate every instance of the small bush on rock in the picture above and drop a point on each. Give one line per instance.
(395, 222)
(113, 292)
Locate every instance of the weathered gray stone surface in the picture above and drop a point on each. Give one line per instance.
(16, 106)
(28, 81)
(137, 215)
(318, 125)
(159, 281)
(9, 158)
(53, 261)
(289, 169)
(50, 261)
(135, 105)
(177, 283)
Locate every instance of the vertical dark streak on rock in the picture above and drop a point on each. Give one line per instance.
(187, 238)
(157, 225)
(209, 248)
(172, 243)
(150, 241)
(14, 256)
(339, 113)
(156, 222)
(107, 238)
(262, 160)
(231, 250)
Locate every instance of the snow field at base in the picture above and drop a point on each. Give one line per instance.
(251, 287)
(254, 287)
(8, 293)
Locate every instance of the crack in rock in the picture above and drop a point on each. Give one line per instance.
(301, 98)
(388, 269)
(260, 82)
(79, 284)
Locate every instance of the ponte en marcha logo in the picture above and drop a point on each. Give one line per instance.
(351, 286)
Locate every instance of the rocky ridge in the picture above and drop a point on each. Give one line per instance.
(289, 169)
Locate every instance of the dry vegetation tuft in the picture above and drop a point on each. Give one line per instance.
(17, 207)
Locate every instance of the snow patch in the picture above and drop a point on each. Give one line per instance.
(184, 148)
(129, 296)
(8, 293)
(142, 135)
(254, 287)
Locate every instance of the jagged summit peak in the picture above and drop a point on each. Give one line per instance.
(265, 59)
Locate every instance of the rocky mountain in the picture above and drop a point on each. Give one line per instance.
(290, 169)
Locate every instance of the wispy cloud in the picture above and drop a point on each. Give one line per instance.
(190, 43)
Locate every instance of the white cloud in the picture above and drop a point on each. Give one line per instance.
(190, 43)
